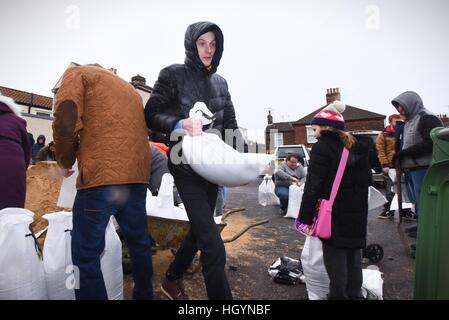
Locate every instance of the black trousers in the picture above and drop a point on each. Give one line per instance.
(344, 267)
(199, 197)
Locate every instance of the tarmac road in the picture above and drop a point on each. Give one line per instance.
(249, 259)
(397, 266)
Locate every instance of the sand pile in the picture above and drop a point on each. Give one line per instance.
(43, 184)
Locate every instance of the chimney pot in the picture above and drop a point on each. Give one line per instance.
(138, 78)
(269, 117)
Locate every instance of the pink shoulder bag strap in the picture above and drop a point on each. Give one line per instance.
(339, 175)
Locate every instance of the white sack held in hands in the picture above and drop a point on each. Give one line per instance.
(67, 192)
(21, 270)
(217, 162)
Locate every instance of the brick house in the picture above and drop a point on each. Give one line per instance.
(299, 132)
(278, 133)
(36, 110)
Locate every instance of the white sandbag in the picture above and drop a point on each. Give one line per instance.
(111, 264)
(395, 206)
(372, 284)
(21, 269)
(165, 194)
(294, 201)
(57, 253)
(375, 199)
(266, 194)
(67, 192)
(392, 175)
(219, 163)
(58, 259)
(317, 280)
(175, 213)
(216, 161)
(162, 206)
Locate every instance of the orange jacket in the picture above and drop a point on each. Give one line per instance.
(162, 147)
(99, 120)
(385, 143)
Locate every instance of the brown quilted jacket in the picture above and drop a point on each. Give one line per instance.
(385, 142)
(99, 120)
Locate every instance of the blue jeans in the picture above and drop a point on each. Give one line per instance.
(282, 193)
(92, 211)
(415, 177)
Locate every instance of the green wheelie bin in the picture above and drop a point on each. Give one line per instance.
(432, 247)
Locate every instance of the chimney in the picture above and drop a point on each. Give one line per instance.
(332, 95)
(270, 117)
(138, 79)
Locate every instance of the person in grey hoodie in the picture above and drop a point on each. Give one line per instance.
(288, 173)
(416, 152)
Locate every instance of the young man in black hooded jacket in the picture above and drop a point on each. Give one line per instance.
(177, 89)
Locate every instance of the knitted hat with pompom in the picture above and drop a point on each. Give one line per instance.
(331, 116)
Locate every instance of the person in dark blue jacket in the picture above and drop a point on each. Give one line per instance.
(40, 143)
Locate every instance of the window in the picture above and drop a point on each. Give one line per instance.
(43, 114)
(310, 137)
(278, 139)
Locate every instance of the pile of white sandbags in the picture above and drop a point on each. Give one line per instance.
(26, 275)
(163, 206)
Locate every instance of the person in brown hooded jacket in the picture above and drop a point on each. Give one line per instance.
(99, 121)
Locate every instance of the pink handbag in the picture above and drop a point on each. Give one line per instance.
(322, 225)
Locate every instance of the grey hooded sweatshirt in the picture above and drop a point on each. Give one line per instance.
(417, 144)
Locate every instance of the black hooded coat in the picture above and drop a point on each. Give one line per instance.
(350, 209)
(180, 86)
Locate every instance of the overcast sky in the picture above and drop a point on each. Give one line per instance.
(280, 54)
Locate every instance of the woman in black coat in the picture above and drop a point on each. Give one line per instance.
(176, 91)
(342, 253)
(14, 155)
